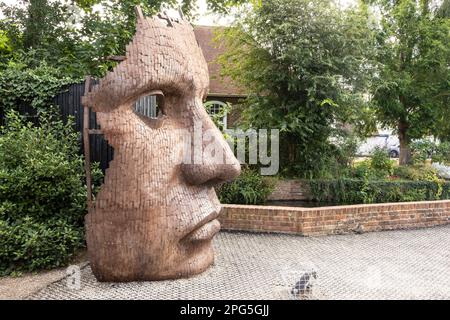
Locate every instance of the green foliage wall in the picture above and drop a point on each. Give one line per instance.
(34, 87)
(42, 194)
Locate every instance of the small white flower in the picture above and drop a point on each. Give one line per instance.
(442, 170)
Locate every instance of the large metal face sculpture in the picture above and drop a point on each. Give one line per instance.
(155, 215)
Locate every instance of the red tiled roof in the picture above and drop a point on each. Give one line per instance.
(219, 86)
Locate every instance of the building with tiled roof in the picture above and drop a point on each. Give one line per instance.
(222, 90)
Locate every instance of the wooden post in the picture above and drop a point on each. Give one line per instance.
(87, 153)
(139, 14)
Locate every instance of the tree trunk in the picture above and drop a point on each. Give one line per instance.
(405, 149)
(291, 152)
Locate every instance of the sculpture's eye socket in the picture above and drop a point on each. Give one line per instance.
(150, 106)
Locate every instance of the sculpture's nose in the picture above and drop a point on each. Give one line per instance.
(212, 174)
(217, 163)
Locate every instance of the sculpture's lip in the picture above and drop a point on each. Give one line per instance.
(205, 232)
(205, 229)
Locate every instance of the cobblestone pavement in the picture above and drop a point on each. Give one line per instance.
(407, 264)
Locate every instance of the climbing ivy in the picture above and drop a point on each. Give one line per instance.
(21, 86)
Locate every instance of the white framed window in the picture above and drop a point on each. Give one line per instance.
(216, 109)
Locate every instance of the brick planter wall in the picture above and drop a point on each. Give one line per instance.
(335, 220)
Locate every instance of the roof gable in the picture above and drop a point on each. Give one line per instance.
(219, 86)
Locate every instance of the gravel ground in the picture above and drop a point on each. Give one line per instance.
(409, 264)
(20, 287)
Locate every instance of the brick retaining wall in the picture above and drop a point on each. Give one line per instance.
(335, 220)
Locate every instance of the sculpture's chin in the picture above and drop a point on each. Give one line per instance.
(193, 262)
(198, 260)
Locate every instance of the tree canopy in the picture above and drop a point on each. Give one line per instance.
(310, 67)
(77, 36)
(47, 44)
(305, 65)
(411, 89)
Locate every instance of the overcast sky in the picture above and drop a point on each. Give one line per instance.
(204, 17)
(208, 18)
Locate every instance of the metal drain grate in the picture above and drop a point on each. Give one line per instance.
(407, 264)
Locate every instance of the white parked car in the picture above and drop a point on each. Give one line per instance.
(382, 141)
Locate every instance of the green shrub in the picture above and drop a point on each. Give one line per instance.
(424, 149)
(445, 191)
(381, 163)
(20, 85)
(249, 188)
(415, 173)
(42, 194)
(442, 153)
(357, 191)
(97, 178)
(29, 244)
(327, 160)
(378, 167)
(407, 173)
(363, 169)
(421, 151)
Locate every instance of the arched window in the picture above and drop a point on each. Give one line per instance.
(218, 112)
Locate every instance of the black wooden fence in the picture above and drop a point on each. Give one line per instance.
(69, 102)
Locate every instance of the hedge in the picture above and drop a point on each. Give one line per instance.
(353, 191)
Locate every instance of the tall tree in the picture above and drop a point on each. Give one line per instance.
(412, 87)
(76, 36)
(305, 65)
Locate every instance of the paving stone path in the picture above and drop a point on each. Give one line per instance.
(406, 264)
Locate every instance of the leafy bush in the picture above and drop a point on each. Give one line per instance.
(378, 167)
(327, 160)
(20, 86)
(352, 191)
(249, 188)
(425, 149)
(29, 244)
(42, 195)
(363, 169)
(381, 162)
(421, 151)
(302, 91)
(442, 153)
(416, 173)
